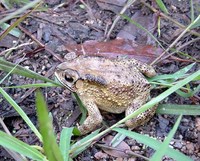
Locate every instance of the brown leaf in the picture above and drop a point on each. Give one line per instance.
(115, 48)
(134, 33)
(119, 150)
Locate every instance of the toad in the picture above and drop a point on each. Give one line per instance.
(112, 85)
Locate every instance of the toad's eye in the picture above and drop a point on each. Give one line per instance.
(68, 78)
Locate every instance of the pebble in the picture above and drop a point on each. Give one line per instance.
(135, 148)
(197, 123)
(178, 145)
(190, 148)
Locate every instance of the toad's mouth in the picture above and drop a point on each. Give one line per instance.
(61, 79)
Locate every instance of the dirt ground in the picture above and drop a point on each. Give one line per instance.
(62, 27)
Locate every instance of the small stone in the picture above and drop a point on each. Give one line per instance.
(46, 61)
(44, 72)
(197, 123)
(134, 148)
(119, 159)
(178, 145)
(48, 65)
(132, 159)
(190, 148)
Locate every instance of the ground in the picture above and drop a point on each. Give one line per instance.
(61, 27)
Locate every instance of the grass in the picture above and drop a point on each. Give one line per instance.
(74, 149)
(54, 149)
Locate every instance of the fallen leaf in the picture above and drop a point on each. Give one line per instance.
(119, 150)
(134, 33)
(116, 48)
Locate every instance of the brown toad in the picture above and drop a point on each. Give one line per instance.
(115, 86)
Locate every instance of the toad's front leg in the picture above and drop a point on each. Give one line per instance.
(94, 117)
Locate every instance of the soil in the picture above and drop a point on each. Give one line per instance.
(62, 26)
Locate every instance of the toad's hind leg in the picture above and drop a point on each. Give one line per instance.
(141, 118)
(94, 117)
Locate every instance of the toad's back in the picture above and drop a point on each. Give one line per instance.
(108, 71)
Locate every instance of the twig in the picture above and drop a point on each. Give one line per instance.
(179, 48)
(40, 43)
(177, 39)
(30, 35)
(4, 127)
(171, 19)
(128, 4)
(89, 10)
(16, 47)
(126, 151)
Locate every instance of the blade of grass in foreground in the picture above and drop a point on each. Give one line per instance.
(179, 74)
(51, 148)
(175, 109)
(164, 146)
(19, 11)
(7, 67)
(65, 139)
(81, 107)
(37, 85)
(17, 22)
(155, 144)
(190, 92)
(22, 148)
(162, 6)
(81, 149)
(15, 32)
(21, 113)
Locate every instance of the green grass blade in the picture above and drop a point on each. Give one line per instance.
(11, 27)
(8, 73)
(7, 67)
(184, 70)
(76, 149)
(164, 147)
(65, 139)
(22, 148)
(192, 10)
(174, 109)
(155, 144)
(195, 23)
(197, 89)
(166, 77)
(21, 113)
(162, 6)
(82, 108)
(177, 75)
(37, 85)
(117, 139)
(19, 11)
(12, 4)
(184, 94)
(51, 148)
(15, 31)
